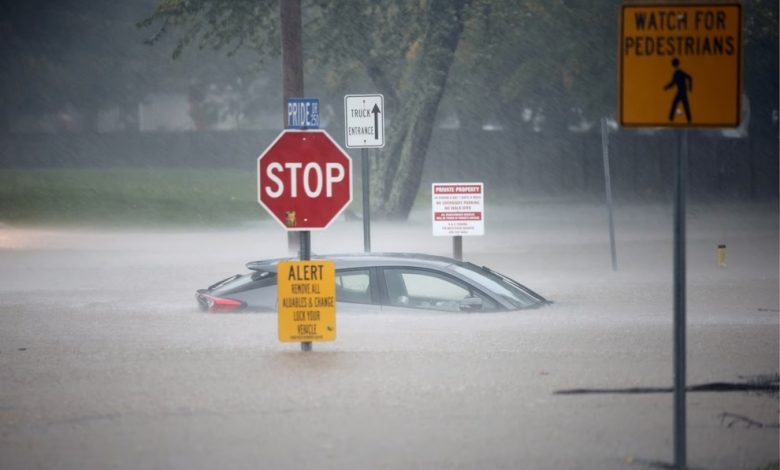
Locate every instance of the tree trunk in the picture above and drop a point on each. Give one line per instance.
(395, 177)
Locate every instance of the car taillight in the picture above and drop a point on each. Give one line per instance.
(221, 305)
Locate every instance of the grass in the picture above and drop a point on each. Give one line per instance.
(124, 197)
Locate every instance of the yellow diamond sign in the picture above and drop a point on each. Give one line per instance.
(306, 300)
(680, 65)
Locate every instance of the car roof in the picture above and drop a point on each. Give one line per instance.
(358, 260)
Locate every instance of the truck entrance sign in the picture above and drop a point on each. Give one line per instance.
(306, 294)
(680, 64)
(458, 209)
(304, 179)
(364, 121)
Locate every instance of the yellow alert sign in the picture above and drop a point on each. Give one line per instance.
(306, 301)
(680, 64)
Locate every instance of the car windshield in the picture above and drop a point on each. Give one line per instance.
(513, 292)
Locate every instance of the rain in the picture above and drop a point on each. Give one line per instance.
(129, 144)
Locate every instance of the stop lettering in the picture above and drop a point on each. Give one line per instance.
(304, 179)
(311, 176)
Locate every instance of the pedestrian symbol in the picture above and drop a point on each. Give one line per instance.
(684, 83)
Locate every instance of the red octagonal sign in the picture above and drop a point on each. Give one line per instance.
(304, 179)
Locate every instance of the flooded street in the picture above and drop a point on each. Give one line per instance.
(105, 361)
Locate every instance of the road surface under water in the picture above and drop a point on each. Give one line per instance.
(105, 361)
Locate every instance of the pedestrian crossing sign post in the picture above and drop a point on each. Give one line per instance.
(680, 65)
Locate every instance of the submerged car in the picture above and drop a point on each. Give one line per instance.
(369, 283)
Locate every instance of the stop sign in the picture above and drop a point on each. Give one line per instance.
(304, 179)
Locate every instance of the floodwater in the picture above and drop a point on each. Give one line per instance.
(105, 361)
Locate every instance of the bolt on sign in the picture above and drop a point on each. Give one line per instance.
(306, 296)
(458, 209)
(680, 64)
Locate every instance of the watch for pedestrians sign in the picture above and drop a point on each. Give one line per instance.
(680, 64)
(364, 121)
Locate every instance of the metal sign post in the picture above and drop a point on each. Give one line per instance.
(365, 162)
(457, 247)
(306, 346)
(608, 186)
(364, 128)
(303, 114)
(680, 454)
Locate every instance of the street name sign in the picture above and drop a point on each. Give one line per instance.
(306, 297)
(303, 113)
(304, 179)
(458, 209)
(680, 64)
(364, 121)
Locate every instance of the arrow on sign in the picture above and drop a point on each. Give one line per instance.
(376, 112)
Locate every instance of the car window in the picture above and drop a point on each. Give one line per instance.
(353, 286)
(501, 285)
(416, 288)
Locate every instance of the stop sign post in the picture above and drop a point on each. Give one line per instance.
(304, 179)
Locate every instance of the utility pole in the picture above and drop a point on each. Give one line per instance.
(292, 73)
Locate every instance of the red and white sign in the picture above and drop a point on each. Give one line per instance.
(458, 209)
(304, 179)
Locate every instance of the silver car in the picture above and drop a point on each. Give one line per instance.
(394, 282)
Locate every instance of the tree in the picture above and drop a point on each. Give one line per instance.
(555, 59)
(548, 59)
(761, 63)
(407, 56)
(404, 48)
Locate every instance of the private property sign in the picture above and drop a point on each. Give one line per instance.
(458, 209)
(680, 64)
(306, 293)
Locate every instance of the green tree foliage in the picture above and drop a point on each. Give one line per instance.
(219, 24)
(405, 49)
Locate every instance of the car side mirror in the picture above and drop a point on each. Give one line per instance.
(470, 304)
